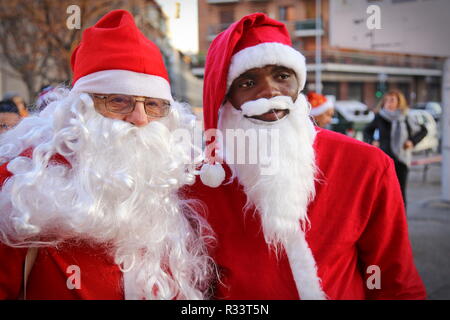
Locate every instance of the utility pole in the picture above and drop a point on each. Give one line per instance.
(318, 46)
(445, 122)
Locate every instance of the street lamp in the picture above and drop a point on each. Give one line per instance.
(318, 47)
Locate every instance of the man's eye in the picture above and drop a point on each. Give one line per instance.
(284, 76)
(118, 100)
(246, 84)
(151, 104)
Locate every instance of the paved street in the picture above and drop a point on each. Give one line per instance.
(429, 227)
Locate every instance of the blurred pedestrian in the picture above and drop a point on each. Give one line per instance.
(322, 109)
(44, 97)
(18, 101)
(9, 115)
(397, 133)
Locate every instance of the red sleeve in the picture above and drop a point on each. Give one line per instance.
(11, 271)
(385, 243)
(4, 174)
(11, 259)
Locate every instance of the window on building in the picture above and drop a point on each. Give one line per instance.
(355, 91)
(285, 13)
(226, 16)
(331, 88)
(434, 92)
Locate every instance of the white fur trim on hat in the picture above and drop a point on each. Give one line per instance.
(124, 82)
(268, 53)
(322, 108)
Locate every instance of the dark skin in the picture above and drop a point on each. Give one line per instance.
(266, 82)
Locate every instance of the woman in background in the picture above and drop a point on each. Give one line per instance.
(398, 133)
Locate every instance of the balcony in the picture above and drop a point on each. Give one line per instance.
(308, 28)
(380, 59)
(375, 63)
(221, 1)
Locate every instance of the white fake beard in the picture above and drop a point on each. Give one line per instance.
(121, 191)
(280, 198)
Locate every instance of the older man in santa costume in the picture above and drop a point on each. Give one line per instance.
(89, 205)
(329, 223)
(322, 109)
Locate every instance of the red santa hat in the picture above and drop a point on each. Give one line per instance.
(115, 57)
(254, 41)
(319, 103)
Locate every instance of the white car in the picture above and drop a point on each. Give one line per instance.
(351, 117)
(434, 108)
(431, 140)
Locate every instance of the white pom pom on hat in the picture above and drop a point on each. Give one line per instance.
(212, 175)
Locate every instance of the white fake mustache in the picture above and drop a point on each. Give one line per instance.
(264, 105)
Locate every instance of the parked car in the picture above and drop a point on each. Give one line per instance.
(434, 108)
(351, 117)
(431, 141)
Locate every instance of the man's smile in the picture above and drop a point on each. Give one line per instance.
(271, 116)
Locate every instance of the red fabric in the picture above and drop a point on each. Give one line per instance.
(100, 278)
(249, 31)
(115, 43)
(357, 220)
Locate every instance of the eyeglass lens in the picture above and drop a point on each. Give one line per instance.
(124, 104)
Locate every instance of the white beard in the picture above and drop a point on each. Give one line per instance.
(281, 197)
(121, 190)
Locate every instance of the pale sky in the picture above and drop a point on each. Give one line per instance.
(183, 32)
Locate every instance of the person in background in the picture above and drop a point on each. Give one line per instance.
(44, 97)
(9, 115)
(397, 133)
(322, 109)
(18, 101)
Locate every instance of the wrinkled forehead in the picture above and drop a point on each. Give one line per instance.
(265, 70)
(8, 117)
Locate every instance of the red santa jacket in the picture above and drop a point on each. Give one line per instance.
(56, 270)
(357, 221)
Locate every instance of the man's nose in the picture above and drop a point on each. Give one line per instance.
(138, 117)
(268, 89)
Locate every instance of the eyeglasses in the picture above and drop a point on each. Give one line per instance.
(6, 126)
(125, 104)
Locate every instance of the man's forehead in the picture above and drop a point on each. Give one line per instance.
(266, 68)
(7, 116)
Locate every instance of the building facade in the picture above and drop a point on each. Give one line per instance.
(348, 71)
